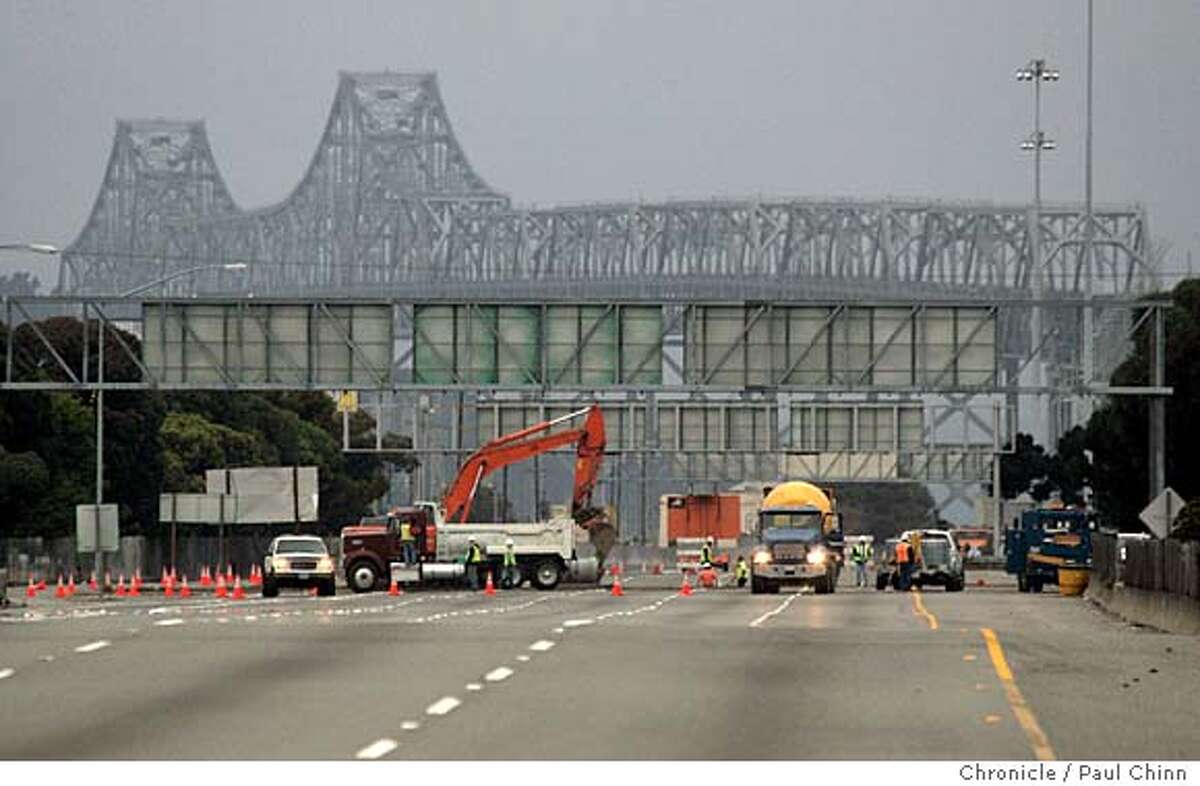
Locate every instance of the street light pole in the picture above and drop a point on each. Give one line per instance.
(1036, 71)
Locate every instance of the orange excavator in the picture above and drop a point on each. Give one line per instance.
(525, 444)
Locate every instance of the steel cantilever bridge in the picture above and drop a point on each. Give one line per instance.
(390, 202)
(390, 207)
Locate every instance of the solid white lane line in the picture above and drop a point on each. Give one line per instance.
(760, 620)
(496, 675)
(541, 646)
(169, 623)
(442, 706)
(377, 748)
(6, 673)
(95, 645)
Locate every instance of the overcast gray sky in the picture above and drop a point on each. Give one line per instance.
(563, 101)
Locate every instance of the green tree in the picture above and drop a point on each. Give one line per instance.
(1117, 433)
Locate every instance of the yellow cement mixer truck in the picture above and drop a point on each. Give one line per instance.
(798, 540)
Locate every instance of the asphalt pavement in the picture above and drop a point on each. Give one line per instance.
(988, 673)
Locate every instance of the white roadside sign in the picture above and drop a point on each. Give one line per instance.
(1161, 513)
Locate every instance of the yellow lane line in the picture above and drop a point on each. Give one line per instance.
(1024, 713)
(919, 608)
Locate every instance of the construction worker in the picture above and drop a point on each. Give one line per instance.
(408, 543)
(706, 553)
(904, 564)
(509, 578)
(860, 555)
(742, 571)
(474, 560)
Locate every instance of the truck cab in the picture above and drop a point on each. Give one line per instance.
(799, 541)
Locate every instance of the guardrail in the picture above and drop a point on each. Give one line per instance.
(1170, 566)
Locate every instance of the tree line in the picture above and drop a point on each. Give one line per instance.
(156, 442)
(1117, 433)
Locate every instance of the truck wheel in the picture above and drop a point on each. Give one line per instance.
(881, 581)
(327, 589)
(362, 577)
(270, 589)
(546, 575)
(1022, 583)
(756, 585)
(772, 588)
(1035, 585)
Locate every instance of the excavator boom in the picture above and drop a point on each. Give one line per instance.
(525, 444)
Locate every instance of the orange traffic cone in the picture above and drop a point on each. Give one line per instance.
(92, 585)
(168, 590)
(255, 576)
(489, 588)
(394, 589)
(107, 581)
(71, 585)
(205, 577)
(686, 589)
(229, 573)
(617, 592)
(222, 590)
(165, 579)
(312, 592)
(31, 590)
(135, 586)
(238, 592)
(184, 590)
(41, 585)
(121, 586)
(61, 592)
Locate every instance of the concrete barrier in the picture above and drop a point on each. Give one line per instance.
(1161, 610)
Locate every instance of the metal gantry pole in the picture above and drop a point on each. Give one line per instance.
(1089, 258)
(98, 563)
(1158, 407)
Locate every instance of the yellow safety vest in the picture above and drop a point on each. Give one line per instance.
(510, 559)
(474, 553)
(742, 570)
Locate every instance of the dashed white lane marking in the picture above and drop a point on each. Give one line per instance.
(523, 658)
(558, 630)
(410, 725)
(95, 645)
(474, 686)
(760, 620)
(6, 673)
(442, 706)
(169, 623)
(577, 623)
(377, 748)
(496, 675)
(541, 646)
(46, 658)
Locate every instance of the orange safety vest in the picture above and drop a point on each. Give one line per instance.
(902, 553)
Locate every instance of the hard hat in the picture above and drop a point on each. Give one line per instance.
(470, 539)
(710, 538)
(508, 542)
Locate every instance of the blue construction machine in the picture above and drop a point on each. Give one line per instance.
(1045, 540)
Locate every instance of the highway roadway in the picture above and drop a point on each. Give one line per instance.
(578, 674)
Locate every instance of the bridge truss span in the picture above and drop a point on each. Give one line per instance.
(390, 205)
